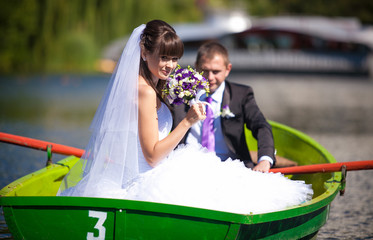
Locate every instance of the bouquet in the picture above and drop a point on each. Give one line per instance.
(185, 86)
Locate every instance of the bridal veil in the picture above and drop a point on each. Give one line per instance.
(110, 160)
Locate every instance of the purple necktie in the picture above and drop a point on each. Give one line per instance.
(208, 137)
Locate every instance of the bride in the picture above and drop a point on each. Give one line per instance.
(131, 151)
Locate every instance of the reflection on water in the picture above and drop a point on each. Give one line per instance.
(70, 100)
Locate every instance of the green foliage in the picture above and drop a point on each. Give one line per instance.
(18, 28)
(68, 35)
(74, 50)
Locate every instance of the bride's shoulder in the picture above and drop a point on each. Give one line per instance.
(145, 91)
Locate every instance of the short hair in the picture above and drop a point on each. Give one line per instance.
(209, 50)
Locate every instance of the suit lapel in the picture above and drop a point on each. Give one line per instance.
(226, 96)
(224, 123)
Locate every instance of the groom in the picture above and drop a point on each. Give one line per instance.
(233, 106)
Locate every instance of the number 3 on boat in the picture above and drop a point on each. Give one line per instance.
(99, 226)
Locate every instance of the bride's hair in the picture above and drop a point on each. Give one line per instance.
(159, 37)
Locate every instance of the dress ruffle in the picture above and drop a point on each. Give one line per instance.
(191, 176)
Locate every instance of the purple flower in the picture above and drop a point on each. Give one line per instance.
(187, 85)
(178, 101)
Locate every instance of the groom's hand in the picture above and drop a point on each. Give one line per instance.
(262, 166)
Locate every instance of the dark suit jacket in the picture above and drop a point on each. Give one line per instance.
(242, 103)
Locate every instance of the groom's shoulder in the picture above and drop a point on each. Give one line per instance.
(236, 87)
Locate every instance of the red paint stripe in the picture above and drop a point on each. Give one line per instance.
(40, 145)
(326, 167)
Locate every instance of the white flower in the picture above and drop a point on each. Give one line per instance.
(198, 76)
(172, 83)
(187, 93)
(226, 112)
(170, 99)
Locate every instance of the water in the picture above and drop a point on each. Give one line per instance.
(335, 110)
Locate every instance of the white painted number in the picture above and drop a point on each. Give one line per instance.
(99, 225)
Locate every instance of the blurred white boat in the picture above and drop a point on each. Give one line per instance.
(284, 44)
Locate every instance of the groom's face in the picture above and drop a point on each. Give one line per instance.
(215, 70)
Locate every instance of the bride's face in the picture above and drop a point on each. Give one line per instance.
(161, 66)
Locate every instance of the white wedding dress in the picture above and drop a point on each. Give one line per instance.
(192, 176)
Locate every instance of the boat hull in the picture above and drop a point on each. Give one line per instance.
(76, 218)
(32, 211)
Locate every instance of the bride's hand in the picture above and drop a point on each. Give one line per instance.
(196, 113)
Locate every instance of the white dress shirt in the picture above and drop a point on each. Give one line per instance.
(221, 148)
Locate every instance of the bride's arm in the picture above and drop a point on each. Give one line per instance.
(153, 149)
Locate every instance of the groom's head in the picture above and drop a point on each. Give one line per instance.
(213, 61)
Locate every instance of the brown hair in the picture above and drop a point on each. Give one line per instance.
(209, 50)
(159, 37)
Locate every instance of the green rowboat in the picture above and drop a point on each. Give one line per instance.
(32, 211)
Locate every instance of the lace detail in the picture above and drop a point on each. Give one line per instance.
(164, 128)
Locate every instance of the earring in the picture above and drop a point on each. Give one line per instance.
(144, 59)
